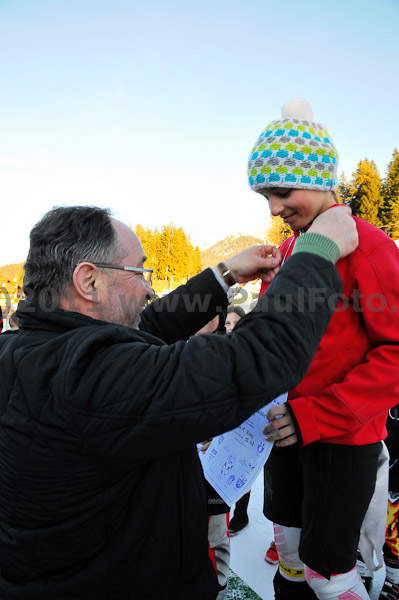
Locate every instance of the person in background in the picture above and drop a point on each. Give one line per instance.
(218, 510)
(1, 320)
(215, 325)
(14, 321)
(322, 471)
(241, 519)
(234, 314)
(390, 589)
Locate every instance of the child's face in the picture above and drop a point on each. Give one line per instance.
(231, 321)
(298, 208)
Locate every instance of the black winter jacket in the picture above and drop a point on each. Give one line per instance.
(101, 493)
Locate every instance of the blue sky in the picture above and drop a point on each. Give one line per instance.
(152, 108)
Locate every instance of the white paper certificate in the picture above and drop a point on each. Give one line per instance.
(234, 459)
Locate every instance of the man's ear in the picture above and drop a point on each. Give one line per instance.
(86, 280)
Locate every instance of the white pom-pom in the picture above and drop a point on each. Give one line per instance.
(297, 108)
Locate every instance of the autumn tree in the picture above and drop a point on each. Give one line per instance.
(169, 252)
(389, 210)
(278, 232)
(195, 264)
(366, 199)
(164, 267)
(344, 190)
(148, 239)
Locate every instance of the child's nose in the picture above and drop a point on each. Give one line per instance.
(276, 206)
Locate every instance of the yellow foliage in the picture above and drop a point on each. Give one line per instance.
(278, 232)
(169, 252)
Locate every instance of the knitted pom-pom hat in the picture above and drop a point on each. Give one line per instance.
(295, 152)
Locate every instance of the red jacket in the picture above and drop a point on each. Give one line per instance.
(354, 376)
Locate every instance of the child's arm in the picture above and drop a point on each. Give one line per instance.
(370, 388)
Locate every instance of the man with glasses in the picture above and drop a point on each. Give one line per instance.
(102, 402)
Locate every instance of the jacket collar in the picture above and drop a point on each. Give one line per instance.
(57, 320)
(298, 232)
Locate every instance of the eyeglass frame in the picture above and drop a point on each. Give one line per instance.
(122, 268)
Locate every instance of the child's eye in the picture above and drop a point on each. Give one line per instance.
(283, 193)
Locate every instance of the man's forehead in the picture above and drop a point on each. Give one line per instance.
(128, 239)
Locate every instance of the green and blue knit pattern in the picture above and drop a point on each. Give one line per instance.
(293, 153)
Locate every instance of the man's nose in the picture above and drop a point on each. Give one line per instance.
(150, 292)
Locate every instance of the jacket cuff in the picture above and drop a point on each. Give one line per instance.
(304, 419)
(220, 279)
(295, 422)
(315, 243)
(207, 280)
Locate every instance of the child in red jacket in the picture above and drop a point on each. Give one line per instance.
(321, 474)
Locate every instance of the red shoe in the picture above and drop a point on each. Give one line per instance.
(271, 555)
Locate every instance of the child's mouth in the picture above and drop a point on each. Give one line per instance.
(289, 219)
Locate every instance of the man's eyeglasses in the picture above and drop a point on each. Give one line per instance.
(145, 273)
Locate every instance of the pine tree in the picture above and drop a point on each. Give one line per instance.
(278, 232)
(366, 198)
(389, 212)
(164, 269)
(344, 190)
(169, 252)
(195, 262)
(148, 239)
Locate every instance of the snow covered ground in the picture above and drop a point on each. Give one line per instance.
(249, 546)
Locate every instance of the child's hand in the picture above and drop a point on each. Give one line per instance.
(205, 445)
(281, 429)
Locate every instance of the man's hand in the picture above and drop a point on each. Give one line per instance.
(261, 262)
(337, 224)
(281, 429)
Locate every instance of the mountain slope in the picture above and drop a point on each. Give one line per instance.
(228, 247)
